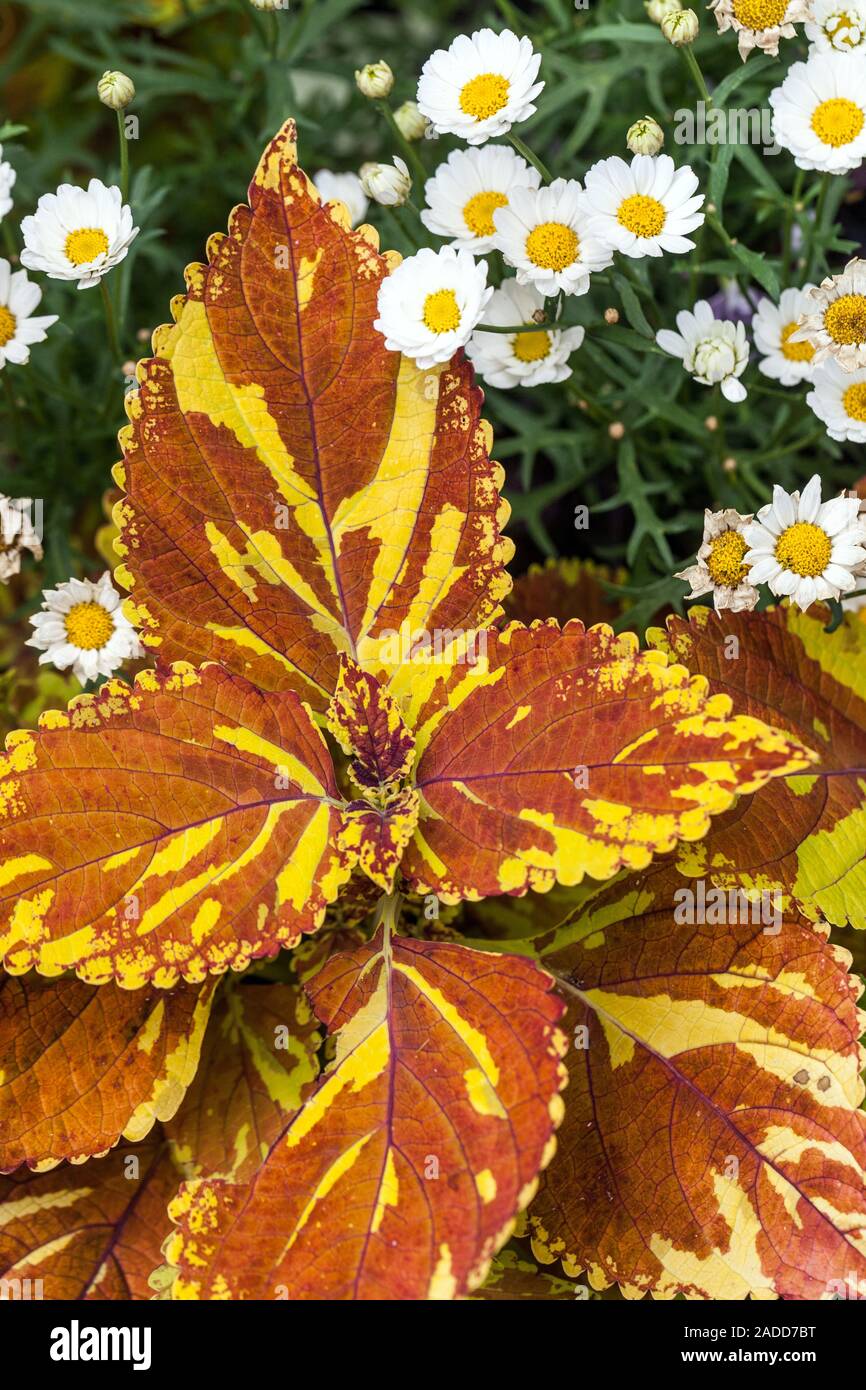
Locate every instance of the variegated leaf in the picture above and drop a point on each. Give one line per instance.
(402, 1175)
(713, 1144)
(512, 1278)
(804, 835)
(91, 1232)
(258, 1064)
(377, 834)
(366, 722)
(80, 1067)
(182, 826)
(294, 489)
(555, 754)
(565, 589)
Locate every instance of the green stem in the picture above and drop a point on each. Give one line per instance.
(696, 74)
(523, 148)
(413, 159)
(788, 227)
(521, 327)
(9, 241)
(110, 323)
(124, 158)
(13, 412)
(818, 226)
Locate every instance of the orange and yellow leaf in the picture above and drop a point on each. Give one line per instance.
(403, 1173)
(558, 754)
(179, 827)
(713, 1144)
(258, 1064)
(294, 490)
(91, 1232)
(80, 1067)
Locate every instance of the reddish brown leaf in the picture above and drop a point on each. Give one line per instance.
(91, 1232)
(402, 1175)
(294, 489)
(258, 1065)
(80, 1066)
(182, 826)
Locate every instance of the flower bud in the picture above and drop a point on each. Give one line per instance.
(387, 184)
(681, 27)
(375, 80)
(657, 9)
(115, 89)
(270, 4)
(410, 123)
(611, 315)
(645, 136)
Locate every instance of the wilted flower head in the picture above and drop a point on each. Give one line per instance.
(16, 534)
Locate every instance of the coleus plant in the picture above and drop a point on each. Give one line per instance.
(312, 539)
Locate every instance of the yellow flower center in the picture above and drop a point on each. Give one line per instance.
(552, 246)
(441, 311)
(805, 549)
(89, 626)
(795, 352)
(760, 14)
(725, 560)
(85, 245)
(642, 215)
(478, 212)
(531, 347)
(7, 325)
(854, 401)
(840, 20)
(845, 320)
(484, 95)
(837, 121)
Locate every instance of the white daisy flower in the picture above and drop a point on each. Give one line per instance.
(759, 23)
(646, 207)
(7, 183)
(81, 625)
(819, 112)
(16, 533)
(429, 305)
(834, 317)
(77, 233)
(521, 359)
(468, 188)
(806, 549)
(18, 329)
(720, 568)
(547, 236)
(774, 325)
(836, 25)
(715, 351)
(481, 86)
(345, 189)
(839, 399)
